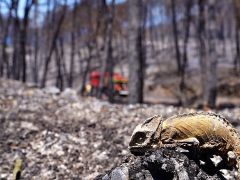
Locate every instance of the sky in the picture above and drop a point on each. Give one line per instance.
(43, 8)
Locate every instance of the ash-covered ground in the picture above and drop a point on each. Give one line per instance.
(62, 136)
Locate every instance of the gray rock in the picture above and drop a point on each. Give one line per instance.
(51, 90)
(120, 173)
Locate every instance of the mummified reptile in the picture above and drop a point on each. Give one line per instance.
(205, 131)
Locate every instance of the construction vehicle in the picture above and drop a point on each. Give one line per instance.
(119, 84)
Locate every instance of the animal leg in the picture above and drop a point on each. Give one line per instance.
(182, 142)
(189, 142)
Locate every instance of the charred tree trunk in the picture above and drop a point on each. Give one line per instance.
(237, 40)
(136, 51)
(208, 53)
(175, 35)
(15, 70)
(151, 28)
(237, 56)
(52, 46)
(71, 71)
(59, 79)
(86, 70)
(188, 7)
(23, 39)
(108, 64)
(36, 47)
(109, 52)
(102, 84)
(4, 59)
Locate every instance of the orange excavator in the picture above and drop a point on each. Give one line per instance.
(119, 84)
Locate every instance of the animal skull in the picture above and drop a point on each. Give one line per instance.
(145, 134)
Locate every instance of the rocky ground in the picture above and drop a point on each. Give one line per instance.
(62, 136)
(167, 164)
